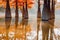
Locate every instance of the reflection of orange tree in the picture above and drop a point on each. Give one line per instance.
(20, 31)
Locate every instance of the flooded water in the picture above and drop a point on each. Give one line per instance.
(29, 29)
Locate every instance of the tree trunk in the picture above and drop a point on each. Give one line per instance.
(49, 11)
(23, 12)
(46, 10)
(53, 9)
(39, 11)
(26, 11)
(16, 15)
(8, 11)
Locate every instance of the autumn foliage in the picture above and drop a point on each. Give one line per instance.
(20, 3)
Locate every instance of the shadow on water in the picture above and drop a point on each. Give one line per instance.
(7, 23)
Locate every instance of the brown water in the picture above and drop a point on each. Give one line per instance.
(29, 29)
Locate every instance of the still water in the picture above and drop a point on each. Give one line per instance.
(29, 29)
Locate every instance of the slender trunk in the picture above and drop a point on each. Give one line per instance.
(45, 14)
(26, 17)
(39, 11)
(23, 12)
(48, 6)
(16, 15)
(8, 11)
(53, 9)
(26, 11)
(38, 18)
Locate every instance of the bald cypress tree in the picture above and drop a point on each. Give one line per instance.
(39, 11)
(46, 10)
(8, 11)
(38, 18)
(53, 9)
(26, 11)
(16, 11)
(23, 11)
(48, 7)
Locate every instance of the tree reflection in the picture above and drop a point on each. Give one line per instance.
(38, 27)
(25, 23)
(51, 29)
(45, 30)
(16, 25)
(22, 29)
(46, 27)
(7, 23)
